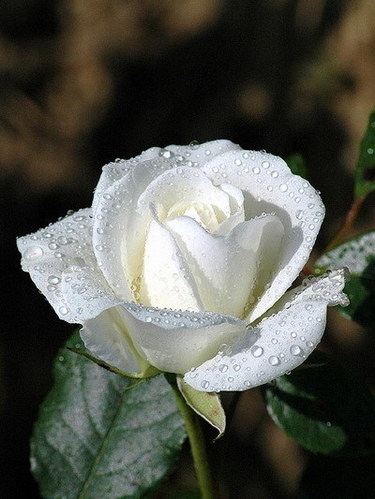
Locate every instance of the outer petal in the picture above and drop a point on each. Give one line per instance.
(194, 154)
(278, 344)
(226, 267)
(120, 226)
(46, 254)
(269, 187)
(112, 172)
(86, 293)
(107, 338)
(199, 154)
(170, 340)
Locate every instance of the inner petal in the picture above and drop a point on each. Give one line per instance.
(166, 280)
(229, 269)
(205, 214)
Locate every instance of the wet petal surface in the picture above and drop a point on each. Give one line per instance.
(278, 344)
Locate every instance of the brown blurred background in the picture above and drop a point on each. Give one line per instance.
(85, 81)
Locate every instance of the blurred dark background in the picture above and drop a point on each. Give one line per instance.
(85, 81)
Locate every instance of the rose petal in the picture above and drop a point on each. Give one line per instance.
(86, 293)
(225, 268)
(185, 186)
(122, 217)
(269, 187)
(278, 344)
(106, 337)
(120, 226)
(198, 154)
(166, 279)
(112, 172)
(47, 253)
(237, 209)
(174, 341)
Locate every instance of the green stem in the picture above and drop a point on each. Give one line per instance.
(348, 222)
(197, 445)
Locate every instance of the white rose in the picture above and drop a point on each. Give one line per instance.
(183, 262)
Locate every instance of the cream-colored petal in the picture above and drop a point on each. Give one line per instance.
(120, 226)
(107, 338)
(269, 186)
(278, 344)
(49, 252)
(166, 279)
(174, 341)
(228, 269)
(198, 154)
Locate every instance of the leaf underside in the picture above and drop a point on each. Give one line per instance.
(97, 437)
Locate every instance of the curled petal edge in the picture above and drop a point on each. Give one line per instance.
(280, 342)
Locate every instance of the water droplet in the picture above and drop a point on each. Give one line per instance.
(266, 164)
(237, 367)
(52, 279)
(274, 174)
(256, 170)
(256, 351)
(299, 214)
(296, 350)
(205, 384)
(63, 310)
(223, 368)
(33, 253)
(274, 361)
(62, 240)
(283, 187)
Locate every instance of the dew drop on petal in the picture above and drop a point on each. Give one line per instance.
(33, 253)
(296, 350)
(63, 310)
(256, 351)
(274, 361)
(205, 384)
(52, 279)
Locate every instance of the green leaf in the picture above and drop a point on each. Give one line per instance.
(365, 171)
(100, 435)
(205, 404)
(358, 254)
(297, 164)
(324, 410)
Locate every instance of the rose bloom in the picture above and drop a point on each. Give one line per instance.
(183, 263)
